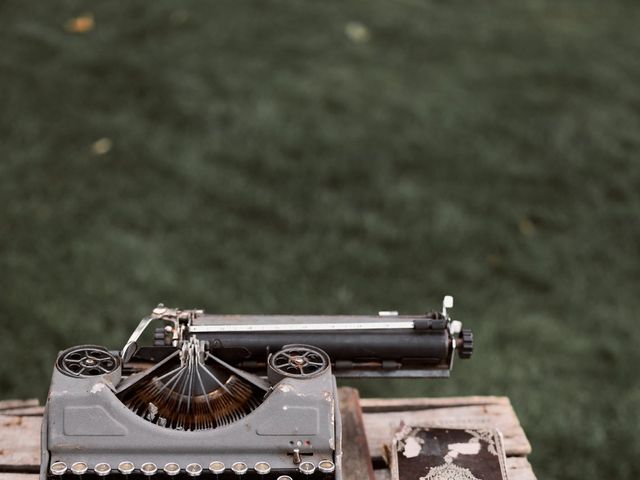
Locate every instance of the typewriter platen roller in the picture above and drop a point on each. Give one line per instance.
(230, 395)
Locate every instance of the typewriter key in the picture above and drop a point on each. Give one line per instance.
(326, 466)
(216, 467)
(149, 469)
(307, 468)
(79, 468)
(194, 469)
(284, 477)
(239, 468)
(171, 469)
(262, 468)
(126, 468)
(58, 468)
(102, 469)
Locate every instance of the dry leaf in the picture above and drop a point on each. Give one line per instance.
(357, 32)
(526, 226)
(102, 146)
(81, 24)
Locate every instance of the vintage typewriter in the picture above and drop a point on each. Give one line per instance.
(230, 395)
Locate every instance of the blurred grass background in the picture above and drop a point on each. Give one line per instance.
(337, 157)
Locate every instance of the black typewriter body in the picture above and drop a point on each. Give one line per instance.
(228, 396)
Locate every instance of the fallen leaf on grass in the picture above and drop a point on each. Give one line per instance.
(357, 32)
(102, 146)
(526, 226)
(81, 24)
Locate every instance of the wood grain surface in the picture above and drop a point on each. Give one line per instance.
(20, 431)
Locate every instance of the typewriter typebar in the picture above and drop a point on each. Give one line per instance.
(228, 396)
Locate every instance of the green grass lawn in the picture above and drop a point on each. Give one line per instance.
(337, 157)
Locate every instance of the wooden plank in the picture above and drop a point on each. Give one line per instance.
(519, 468)
(19, 443)
(356, 460)
(11, 404)
(381, 426)
(20, 429)
(377, 405)
(24, 411)
(19, 476)
(20, 439)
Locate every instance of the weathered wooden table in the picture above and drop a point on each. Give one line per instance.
(367, 426)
